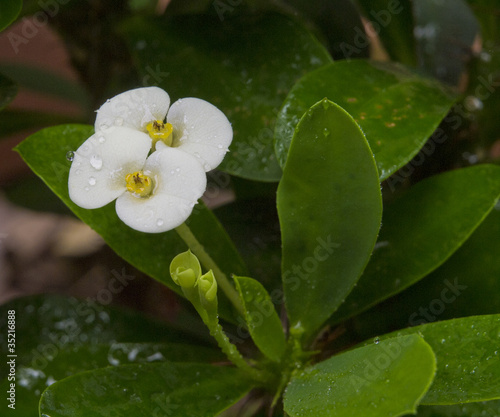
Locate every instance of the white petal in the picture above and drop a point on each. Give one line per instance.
(179, 182)
(133, 108)
(97, 174)
(200, 129)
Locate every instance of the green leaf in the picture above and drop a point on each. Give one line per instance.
(8, 91)
(46, 324)
(481, 409)
(261, 318)
(472, 274)
(32, 380)
(468, 357)
(384, 379)
(396, 109)
(243, 65)
(9, 10)
(45, 153)
(46, 82)
(180, 389)
(421, 230)
(330, 208)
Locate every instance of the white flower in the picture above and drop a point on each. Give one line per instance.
(153, 193)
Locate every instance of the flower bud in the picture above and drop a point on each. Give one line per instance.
(185, 270)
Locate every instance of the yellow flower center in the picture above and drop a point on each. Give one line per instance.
(160, 131)
(139, 184)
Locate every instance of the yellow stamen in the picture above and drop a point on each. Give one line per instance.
(160, 131)
(139, 184)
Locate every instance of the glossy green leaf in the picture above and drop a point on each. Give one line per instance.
(180, 389)
(45, 153)
(244, 65)
(9, 10)
(48, 323)
(384, 379)
(421, 230)
(468, 357)
(329, 206)
(393, 23)
(396, 109)
(472, 274)
(261, 318)
(8, 91)
(480, 409)
(33, 379)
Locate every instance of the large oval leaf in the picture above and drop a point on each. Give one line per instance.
(396, 109)
(330, 208)
(384, 379)
(43, 371)
(45, 153)
(180, 389)
(472, 275)
(468, 357)
(244, 65)
(421, 230)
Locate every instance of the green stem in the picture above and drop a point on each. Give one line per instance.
(197, 248)
(231, 351)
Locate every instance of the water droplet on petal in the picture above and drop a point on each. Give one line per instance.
(119, 121)
(78, 171)
(101, 139)
(177, 169)
(92, 181)
(159, 222)
(96, 162)
(103, 126)
(70, 156)
(86, 188)
(220, 146)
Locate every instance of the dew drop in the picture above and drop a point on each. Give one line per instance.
(376, 340)
(119, 121)
(92, 181)
(96, 162)
(78, 171)
(220, 146)
(159, 222)
(103, 126)
(86, 188)
(101, 139)
(177, 169)
(70, 156)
